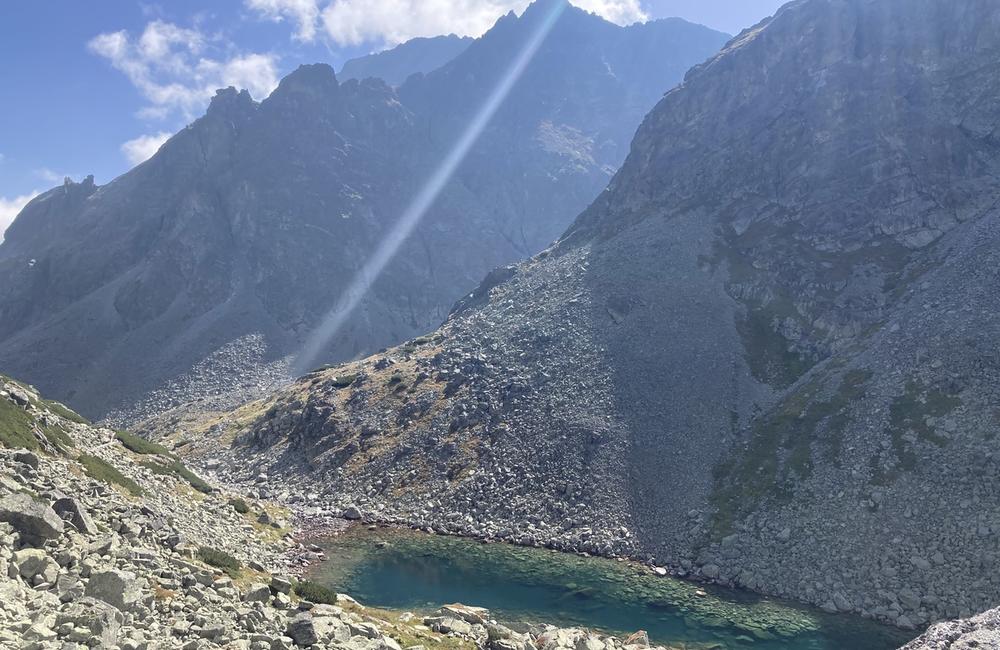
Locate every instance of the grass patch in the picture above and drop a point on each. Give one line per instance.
(141, 446)
(239, 505)
(64, 411)
(910, 412)
(56, 435)
(220, 560)
(16, 427)
(768, 355)
(315, 593)
(101, 470)
(780, 451)
(177, 469)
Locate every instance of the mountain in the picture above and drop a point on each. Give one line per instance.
(417, 55)
(200, 270)
(765, 356)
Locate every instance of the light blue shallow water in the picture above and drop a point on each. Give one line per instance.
(404, 570)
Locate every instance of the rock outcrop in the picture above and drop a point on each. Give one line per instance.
(773, 334)
(200, 270)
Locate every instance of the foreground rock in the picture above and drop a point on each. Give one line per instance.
(976, 633)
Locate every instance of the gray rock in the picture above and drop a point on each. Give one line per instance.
(36, 521)
(70, 509)
(121, 589)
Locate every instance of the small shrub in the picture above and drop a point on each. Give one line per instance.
(219, 559)
(315, 593)
(176, 468)
(142, 446)
(239, 505)
(343, 381)
(101, 470)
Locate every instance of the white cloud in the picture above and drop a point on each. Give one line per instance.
(304, 13)
(142, 148)
(50, 176)
(179, 69)
(9, 208)
(388, 22)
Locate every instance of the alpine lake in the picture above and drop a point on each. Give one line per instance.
(405, 570)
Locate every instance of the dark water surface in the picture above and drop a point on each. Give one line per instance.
(399, 569)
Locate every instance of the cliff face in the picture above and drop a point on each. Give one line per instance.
(232, 242)
(772, 335)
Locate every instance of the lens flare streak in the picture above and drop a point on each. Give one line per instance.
(363, 280)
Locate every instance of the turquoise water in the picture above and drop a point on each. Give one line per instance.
(398, 569)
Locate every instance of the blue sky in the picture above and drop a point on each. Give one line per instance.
(94, 87)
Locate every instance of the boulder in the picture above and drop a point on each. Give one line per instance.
(304, 630)
(32, 562)
(473, 615)
(121, 589)
(352, 513)
(102, 620)
(69, 509)
(257, 592)
(34, 520)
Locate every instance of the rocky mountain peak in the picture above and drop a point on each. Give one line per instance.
(231, 103)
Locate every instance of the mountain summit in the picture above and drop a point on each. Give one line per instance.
(216, 258)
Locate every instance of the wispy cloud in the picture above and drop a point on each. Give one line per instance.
(142, 148)
(388, 22)
(178, 69)
(10, 208)
(50, 176)
(304, 13)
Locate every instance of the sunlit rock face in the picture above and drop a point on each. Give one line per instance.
(766, 354)
(245, 228)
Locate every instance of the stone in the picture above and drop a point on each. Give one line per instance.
(32, 562)
(473, 615)
(36, 521)
(302, 630)
(257, 592)
(710, 571)
(448, 625)
(101, 620)
(70, 510)
(281, 585)
(120, 589)
(352, 513)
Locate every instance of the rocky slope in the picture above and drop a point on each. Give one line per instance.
(236, 238)
(109, 542)
(764, 356)
(416, 56)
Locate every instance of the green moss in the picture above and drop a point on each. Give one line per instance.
(101, 470)
(142, 446)
(239, 505)
(343, 381)
(220, 560)
(315, 593)
(177, 469)
(781, 448)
